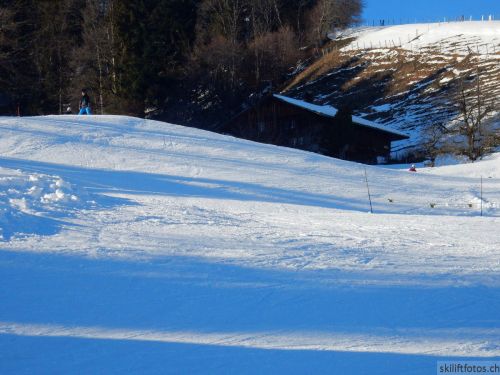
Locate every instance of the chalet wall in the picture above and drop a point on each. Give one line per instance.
(283, 124)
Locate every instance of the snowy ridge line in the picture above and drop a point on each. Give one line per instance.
(478, 37)
(459, 343)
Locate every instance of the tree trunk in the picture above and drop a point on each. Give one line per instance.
(99, 67)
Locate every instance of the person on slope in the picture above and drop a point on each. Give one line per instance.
(412, 168)
(84, 103)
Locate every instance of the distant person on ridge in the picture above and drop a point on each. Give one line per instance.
(412, 168)
(85, 103)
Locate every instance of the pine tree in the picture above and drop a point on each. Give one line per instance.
(153, 38)
(19, 79)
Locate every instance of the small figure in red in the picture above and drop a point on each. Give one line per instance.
(412, 168)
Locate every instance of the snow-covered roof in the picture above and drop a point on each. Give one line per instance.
(324, 110)
(363, 122)
(329, 111)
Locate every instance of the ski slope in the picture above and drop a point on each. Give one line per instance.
(134, 246)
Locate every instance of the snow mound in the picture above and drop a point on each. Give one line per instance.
(27, 199)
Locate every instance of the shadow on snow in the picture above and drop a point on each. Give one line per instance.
(189, 294)
(129, 182)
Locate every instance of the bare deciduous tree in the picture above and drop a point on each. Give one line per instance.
(219, 30)
(433, 138)
(97, 44)
(472, 135)
(274, 53)
(330, 15)
(94, 61)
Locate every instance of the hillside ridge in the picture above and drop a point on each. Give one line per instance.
(405, 76)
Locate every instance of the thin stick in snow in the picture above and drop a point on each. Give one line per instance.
(368, 189)
(481, 196)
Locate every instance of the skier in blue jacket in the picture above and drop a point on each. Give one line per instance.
(84, 103)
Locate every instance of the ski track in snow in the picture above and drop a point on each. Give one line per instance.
(136, 235)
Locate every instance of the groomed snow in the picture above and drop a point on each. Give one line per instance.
(144, 247)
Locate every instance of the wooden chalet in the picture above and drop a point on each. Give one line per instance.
(289, 122)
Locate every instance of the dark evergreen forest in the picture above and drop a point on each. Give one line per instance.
(187, 61)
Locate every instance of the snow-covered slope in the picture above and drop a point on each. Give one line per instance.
(133, 246)
(405, 77)
(450, 37)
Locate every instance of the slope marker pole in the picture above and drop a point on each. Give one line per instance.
(368, 189)
(481, 195)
